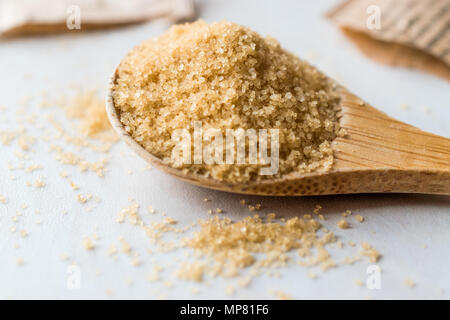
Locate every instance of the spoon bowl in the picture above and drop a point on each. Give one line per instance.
(377, 155)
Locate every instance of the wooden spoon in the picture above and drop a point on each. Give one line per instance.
(379, 154)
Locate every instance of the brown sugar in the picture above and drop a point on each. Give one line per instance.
(233, 245)
(91, 112)
(370, 252)
(409, 283)
(88, 244)
(343, 224)
(227, 77)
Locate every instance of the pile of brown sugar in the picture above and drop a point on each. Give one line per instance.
(233, 245)
(228, 77)
(92, 114)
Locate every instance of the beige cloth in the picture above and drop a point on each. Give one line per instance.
(18, 17)
(412, 33)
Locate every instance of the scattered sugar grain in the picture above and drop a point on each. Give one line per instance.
(88, 244)
(229, 290)
(281, 295)
(39, 182)
(346, 213)
(312, 275)
(409, 283)
(358, 282)
(342, 224)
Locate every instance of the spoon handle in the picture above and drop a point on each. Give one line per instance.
(392, 156)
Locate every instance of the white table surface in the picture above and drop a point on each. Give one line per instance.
(411, 231)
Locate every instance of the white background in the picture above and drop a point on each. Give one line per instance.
(411, 231)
